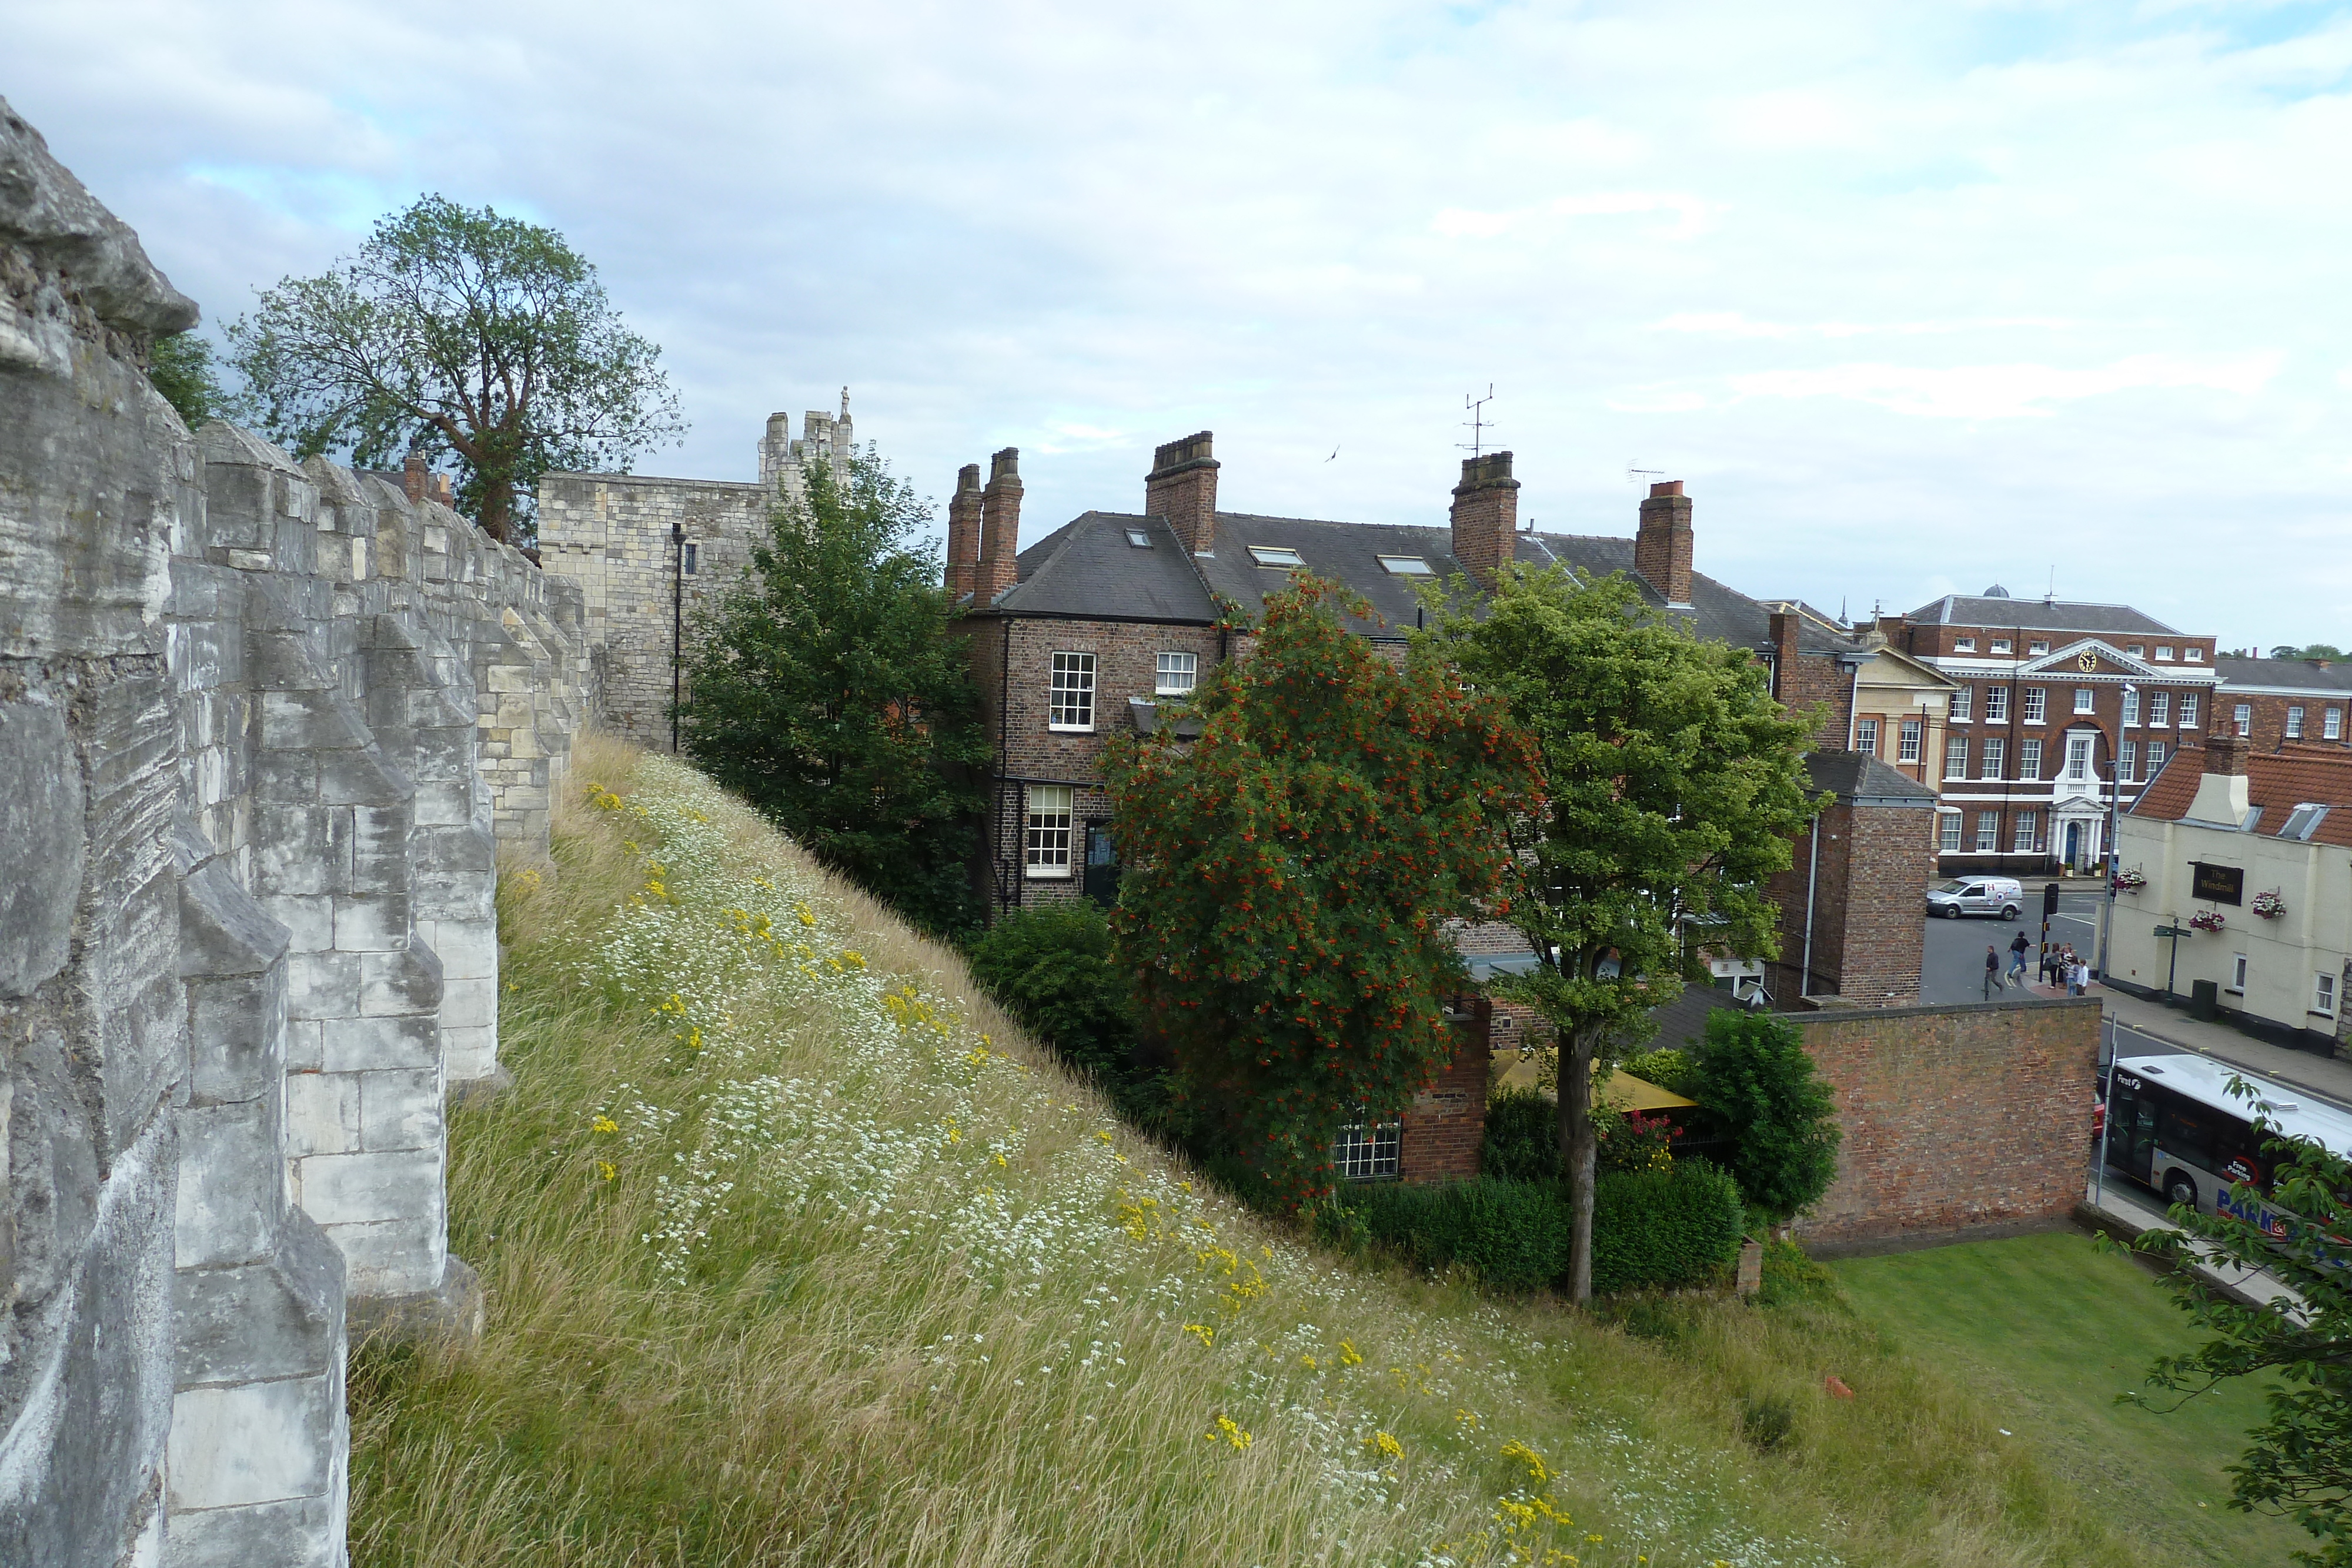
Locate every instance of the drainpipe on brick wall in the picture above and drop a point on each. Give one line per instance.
(1854, 701)
(1813, 870)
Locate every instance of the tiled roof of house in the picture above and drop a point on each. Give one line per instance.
(1859, 779)
(2283, 675)
(1087, 569)
(2276, 781)
(2037, 615)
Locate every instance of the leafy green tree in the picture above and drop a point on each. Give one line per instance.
(1755, 1077)
(1672, 786)
(182, 369)
(1052, 970)
(2309, 651)
(2301, 1462)
(1290, 872)
(830, 688)
(457, 331)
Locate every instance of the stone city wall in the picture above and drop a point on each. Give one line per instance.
(263, 727)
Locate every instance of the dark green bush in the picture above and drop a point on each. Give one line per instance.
(1756, 1078)
(1514, 1233)
(1664, 1230)
(1668, 1067)
(1766, 1420)
(1051, 968)
(1522, 1136)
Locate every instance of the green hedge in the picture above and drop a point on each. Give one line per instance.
(1651, 1230)
(1664, 1230)
(1522, 1140)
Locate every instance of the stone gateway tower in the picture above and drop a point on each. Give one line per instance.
(646, 552)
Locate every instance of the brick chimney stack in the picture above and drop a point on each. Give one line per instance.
(1486, 516)
(2224, 795)
(1000, 527)
(1661, 546)
(963, 532)
(2226, 755)
(413, 479)
(439, 489)
(1183, 488)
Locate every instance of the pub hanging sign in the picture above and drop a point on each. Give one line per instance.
(2218, 883)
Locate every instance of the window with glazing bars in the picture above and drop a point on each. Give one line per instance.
(1074, 692)
(1866, 736)
(1951, 831)
(1956, 760)
(2129, 761)
(1996, 752)
(2294, 724)
(1963, 702)
(1048, 833)
(2131, 705)
(1987, 832)
(1907, 741)
(2022, 842)
(1176, 674)
(2034, 698)
(1996, 704)
(2245, 716)
(2189, 710)
(2331, 724)
(1366, 1153)
(2160, 708)
(2029, 759)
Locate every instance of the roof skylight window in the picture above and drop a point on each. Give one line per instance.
(1139, 538)
(2303, 821)
(1407, 566)
(1276, 554)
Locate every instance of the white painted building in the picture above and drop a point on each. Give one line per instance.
(2250, 857)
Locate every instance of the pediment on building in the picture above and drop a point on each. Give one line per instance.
(2094, 657)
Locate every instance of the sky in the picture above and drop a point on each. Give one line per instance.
(1915, 298)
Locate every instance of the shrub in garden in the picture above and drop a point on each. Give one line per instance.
(1522, 1142)
(1051, 968)
(1667, 1068)
(1514, 1233)
(1664, 1230)
(1630, 1141)
(1756, 1078)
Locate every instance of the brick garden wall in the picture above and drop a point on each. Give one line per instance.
(1445, 1128)
(1955, 1117)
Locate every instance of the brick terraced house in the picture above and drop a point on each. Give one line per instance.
(2056, 706)
(2274, 703)
(1096, 625)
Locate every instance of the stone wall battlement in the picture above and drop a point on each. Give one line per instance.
(264, 726)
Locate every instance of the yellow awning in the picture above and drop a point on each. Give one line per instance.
(1623, 1092)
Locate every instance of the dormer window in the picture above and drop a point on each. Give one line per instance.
(1406, 566)
(1276, 554)
(1139, 538)
(2004, 645)
(1964, 644)
(2041, 645)
(2194, 655)
(2137, 650)
(2164, 650)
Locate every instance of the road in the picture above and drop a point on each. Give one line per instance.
(1951, 969)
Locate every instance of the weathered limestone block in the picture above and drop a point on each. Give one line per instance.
(259, 1442)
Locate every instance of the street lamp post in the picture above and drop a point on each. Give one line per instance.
(2115, 816)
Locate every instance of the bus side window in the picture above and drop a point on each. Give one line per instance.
(2188, 1134)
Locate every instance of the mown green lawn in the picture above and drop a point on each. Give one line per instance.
(2051, 1330)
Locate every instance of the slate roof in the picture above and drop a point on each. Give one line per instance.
(2277, 781)
(2291, 674)
(2039, 615)
(1087, 570)
(1859, 779)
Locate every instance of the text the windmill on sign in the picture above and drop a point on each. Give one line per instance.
(2218, 883)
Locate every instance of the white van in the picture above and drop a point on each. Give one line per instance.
(1998, 896)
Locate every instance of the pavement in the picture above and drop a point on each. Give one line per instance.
(2122, 1208)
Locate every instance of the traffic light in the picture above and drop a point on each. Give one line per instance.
(2049, 900)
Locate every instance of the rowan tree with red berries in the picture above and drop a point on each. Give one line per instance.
(1291, 871)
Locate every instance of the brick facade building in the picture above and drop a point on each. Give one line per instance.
(2057, 706)
(1955, 1118)
(1840, 934)
(2275, 703)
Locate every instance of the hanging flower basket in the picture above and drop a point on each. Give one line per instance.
(2130, 880)
(2269, 906)
(2207, 920)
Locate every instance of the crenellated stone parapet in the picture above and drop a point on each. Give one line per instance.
(264, 726)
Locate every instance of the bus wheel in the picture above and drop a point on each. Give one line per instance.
(2180, 1189)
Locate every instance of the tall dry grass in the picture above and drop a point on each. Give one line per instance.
(797, 1252)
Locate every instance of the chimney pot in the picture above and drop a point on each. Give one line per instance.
(1000, 527)
(963, 532)
(1662, 545)
(1486, 516)
(1183, 488)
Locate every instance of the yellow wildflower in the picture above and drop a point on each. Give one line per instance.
(605, 1125)
(1385, 1445)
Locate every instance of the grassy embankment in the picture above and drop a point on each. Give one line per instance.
(2049, 1330)
(797, 1253)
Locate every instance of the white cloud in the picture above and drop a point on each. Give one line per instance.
(1891, 285)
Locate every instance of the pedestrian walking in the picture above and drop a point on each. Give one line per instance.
(2018, 947)
(1992, 969)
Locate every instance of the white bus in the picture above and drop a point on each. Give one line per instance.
(2173, 1123)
